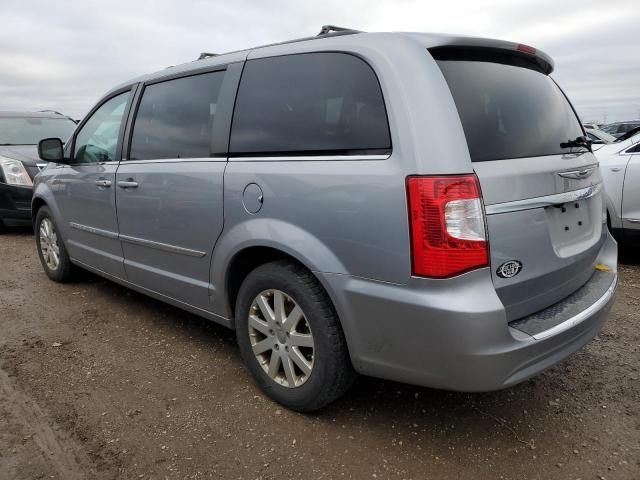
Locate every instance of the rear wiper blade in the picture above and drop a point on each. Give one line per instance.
(578, 142)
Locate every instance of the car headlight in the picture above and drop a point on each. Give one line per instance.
(14, 172)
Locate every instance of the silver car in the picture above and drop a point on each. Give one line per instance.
(422, 208)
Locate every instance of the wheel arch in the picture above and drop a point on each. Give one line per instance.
(36, 204)
(251, 257)
(256, 241)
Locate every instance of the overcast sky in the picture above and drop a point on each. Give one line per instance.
(64, 55)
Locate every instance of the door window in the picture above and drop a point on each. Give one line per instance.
(97, 140)
(175, 118)
(309, 103)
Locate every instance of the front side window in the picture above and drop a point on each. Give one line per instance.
(175, 118)
(310, 103)
(97, 140)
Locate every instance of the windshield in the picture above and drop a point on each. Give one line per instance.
(30, 130)
(601, 135)
(509, 111)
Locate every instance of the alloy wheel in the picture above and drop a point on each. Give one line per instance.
(49, 244)
(281, 338)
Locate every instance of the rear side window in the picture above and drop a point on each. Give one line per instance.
(635, 149)
(175, 118)
(509, 111)
(312, 103)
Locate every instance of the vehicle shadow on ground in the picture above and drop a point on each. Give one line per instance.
(16, 231)
(629, 253)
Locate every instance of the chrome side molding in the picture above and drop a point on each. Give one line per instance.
(544, 201)
(299, 158)
(138, 241)
(95, 231)
(162, 246)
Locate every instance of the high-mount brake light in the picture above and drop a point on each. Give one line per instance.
(526, 49)
(447, 225)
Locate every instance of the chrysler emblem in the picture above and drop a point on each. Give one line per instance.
(509, 269)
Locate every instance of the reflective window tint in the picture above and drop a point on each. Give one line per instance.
(97, 140)
(175, 118)
(308, 103)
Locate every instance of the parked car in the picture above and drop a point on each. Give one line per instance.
(620, 128)
(620, 166)
(599, 137)
(631, 133)
(20, 133)
(369, 202)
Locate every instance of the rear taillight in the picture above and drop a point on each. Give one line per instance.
(447, 225)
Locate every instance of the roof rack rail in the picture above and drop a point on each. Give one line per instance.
(51, 111)
(204, 55)
(327, 29)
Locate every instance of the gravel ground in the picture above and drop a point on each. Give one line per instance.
(99, 382)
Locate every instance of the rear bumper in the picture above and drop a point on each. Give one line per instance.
(454, 334)
(15, 205)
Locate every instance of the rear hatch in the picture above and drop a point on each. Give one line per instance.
(544, 201)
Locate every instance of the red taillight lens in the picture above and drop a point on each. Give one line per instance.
(447, 225)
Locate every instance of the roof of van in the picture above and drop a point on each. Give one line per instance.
(352, 39)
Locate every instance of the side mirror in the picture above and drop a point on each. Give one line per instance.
(51, 150)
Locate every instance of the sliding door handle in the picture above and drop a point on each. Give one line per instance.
(128, 184)
(103, 183)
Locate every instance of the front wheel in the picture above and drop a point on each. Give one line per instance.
(51, 250)
(290, 337)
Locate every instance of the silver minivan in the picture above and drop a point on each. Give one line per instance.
(421, 208)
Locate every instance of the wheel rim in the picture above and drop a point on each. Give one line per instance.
(49, 244)
(281, 338)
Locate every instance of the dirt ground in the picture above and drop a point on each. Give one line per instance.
(97, 382)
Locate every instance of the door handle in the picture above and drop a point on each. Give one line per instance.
(128, 184)
(103, 183)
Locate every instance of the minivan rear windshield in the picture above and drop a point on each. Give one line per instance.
(509, 111)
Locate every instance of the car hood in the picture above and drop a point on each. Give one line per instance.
(27, 154)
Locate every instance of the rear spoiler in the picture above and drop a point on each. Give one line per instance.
(481, 50)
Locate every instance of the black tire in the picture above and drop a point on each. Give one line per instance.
(64, 271)
(332, 372)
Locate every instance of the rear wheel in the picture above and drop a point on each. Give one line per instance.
(51, 250)
(290, 337)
